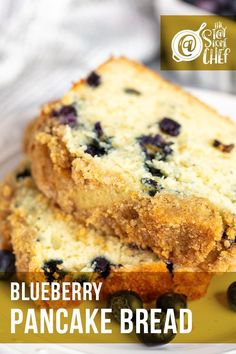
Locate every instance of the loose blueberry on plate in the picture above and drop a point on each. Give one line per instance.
(7, 264)
(124, 300)
(152, 339)
(172, 301)
(231, 295)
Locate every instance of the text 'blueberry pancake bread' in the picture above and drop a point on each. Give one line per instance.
(137, 157)
(50, 245)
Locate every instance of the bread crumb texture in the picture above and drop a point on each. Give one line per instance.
(52, 246)
(134, 155)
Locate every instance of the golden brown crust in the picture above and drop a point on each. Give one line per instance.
(147, 279)
(6, 192)
(186, 230)
(149, 283)
(183, 230)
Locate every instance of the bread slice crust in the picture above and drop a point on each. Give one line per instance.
(40, 232)
(188, 228)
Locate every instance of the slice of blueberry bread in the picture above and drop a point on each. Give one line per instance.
(137, 157)
(50, 245)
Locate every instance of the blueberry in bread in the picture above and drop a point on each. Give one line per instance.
(7, 264)
(137, 157)
(50, 245)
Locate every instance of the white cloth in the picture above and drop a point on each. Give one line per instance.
(45, 45)
(71, 35)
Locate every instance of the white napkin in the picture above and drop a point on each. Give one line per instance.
(45, 45)
(69, 36)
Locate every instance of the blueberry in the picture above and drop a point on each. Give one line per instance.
(156, 172)
(98, 130)
(152, 339)
(23, 174)
(155, 147)
(151, 186)
(7, 264)
(102, 266)
(67, 110)
(99, 146)
(155, 140)
(95, 149)
(93, 80)
(231, 296)
(52, 271)
(170, 126)
(170, 266)
(67, 115)
(124, 300)
(172, 301)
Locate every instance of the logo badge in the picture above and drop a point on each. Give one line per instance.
(198, 43)
(187, 45)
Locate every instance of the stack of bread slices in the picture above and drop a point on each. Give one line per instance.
(128, 180)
